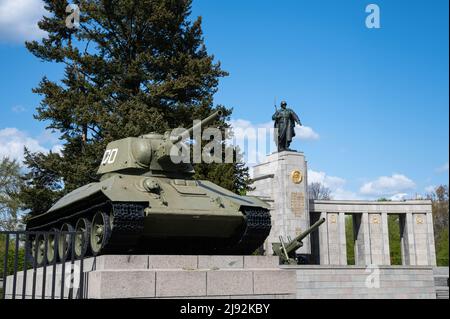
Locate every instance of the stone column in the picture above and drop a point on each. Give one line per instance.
(376, 238)
(337, 250)
(323, 241)
(333, 238)
(362, 236)
(421, 239)
(431, 244)
(287, 188)
(342, 240)
(385, 231)
(407, 239)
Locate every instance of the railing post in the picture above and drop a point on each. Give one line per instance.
(36, 247)
(63, 263)
(55, 258)
(25, 268)
(44, 269)
(16, 258)
(5, 264)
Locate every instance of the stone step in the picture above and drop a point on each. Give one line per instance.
(442, 293)
(441, 271)
(441, 281)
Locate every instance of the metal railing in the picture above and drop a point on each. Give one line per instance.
(29, 274)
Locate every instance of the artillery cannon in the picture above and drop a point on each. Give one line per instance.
(286, 251)
(147, 201)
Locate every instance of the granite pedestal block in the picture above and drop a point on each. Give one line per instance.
(143, 276)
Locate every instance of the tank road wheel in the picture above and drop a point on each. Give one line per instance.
(65, 242)
(83, 229)
(51, 249)
(100, 232)
(39, 240)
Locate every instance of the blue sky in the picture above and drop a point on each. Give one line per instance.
(375, 100)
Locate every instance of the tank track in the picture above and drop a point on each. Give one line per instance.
(257, 228)
(127, 224)
(127, 227)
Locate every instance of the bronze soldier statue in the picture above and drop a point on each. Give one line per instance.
(285, 120)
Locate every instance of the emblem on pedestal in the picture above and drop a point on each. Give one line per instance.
(297, 177)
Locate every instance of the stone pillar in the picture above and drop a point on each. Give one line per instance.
(376, 237)
(385, 231)
(421, 239)
(323, 241)
(335, 228)
(287, 189)
(407, 239)
(431, 245)
(342, 240)
(362, 242)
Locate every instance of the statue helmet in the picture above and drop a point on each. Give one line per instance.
(283, 103)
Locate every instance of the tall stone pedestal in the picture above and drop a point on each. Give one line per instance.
(144, 276)
(282, 181)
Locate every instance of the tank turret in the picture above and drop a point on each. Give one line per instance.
(154, 153)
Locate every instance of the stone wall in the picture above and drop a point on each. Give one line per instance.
(143, 276)
(353, 282)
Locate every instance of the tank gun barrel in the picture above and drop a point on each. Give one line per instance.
(309, 230)
(205, 121)
(286, 251)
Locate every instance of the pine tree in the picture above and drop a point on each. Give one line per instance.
(131, 67)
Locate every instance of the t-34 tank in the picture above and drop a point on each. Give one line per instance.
(145, 203)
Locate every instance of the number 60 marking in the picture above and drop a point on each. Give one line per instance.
(110, 156)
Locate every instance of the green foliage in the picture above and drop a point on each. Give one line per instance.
(133, 67)
(440, 198)
(43, 182)
(10, 185)
(349, 234)
(442, 248)
(11, 256)
(394, 240)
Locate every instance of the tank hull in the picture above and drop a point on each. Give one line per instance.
(148, 214)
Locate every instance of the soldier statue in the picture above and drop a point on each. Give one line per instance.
(285, 120)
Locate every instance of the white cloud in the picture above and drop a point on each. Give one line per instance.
(18, 109)
(443, 169)
(306, 133)
(57, 149)
(13, 141)
(334, 183)
(399, 197)
(388, 186)
(18, 20)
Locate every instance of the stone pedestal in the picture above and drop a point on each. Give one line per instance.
(143, 276)
(282, 181)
